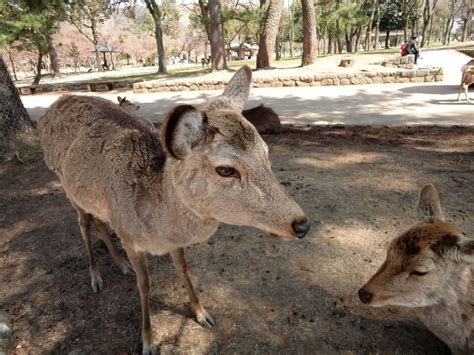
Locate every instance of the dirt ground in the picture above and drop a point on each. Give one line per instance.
(266, 296)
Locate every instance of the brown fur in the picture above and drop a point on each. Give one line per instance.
(429, 268)
(163, 195)
(264, 119)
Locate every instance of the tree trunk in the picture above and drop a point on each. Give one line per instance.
(349, 41)
(12, 62)
(309, 32)
(387, 40)
(217, 37)
(279, 44)
(377, 26)
(13, 116)
(329, 45)
(39, 66)
(357, 38)
(467, 22)
(426, 22)
(53, 56)
(404, 9)
(268, 35)
(160, 47)
(450, 29)
(431, 23)
(338, 30)
(95, 39)
(291, 35)
(368, 32)
(446, 31)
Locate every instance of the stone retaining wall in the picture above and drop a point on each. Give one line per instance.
(319, 79)
(76, 86)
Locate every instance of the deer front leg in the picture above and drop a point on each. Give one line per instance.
(139, 263)
(85, 224)
(200, 313)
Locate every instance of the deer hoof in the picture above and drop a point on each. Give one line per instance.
(149, 350)
(97, 283)
(204, 319)
(126, 268)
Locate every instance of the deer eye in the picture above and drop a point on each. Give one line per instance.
(227, 171)
(418, 273)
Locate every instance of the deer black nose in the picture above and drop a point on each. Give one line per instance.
(301, 228)
(365, 296)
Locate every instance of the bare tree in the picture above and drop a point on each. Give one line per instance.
(268, 31)
(309, 32)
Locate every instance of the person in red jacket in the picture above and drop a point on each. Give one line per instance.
(404, 48)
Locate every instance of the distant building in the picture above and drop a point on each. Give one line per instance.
(242, 51)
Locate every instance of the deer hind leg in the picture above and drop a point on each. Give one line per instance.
(139, 263)
(200, 313)
(466, 89)
(85, 224)
(121, 262)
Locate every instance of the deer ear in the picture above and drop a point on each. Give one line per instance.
(429, 205)
(238, 88)
(466, 250)
(119, 99)
(455, 248)
(183, 129)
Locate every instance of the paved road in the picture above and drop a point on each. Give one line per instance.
(385, 104)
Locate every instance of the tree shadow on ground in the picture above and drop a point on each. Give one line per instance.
(266, 296)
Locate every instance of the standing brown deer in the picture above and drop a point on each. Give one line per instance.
(467, 80)
(210, 166)
(429, 268)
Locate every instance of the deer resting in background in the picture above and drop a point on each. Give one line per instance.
(429, 268)
(161, 194)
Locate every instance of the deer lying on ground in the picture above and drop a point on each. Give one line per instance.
(264, 119)
(429, 268)
(467, 79)
(127, 105)
(161, 194)
(130, 107)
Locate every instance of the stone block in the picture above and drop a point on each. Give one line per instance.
(403, 60)
(378, 80)
(301, 84)
(345, 81)
(410, 58)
